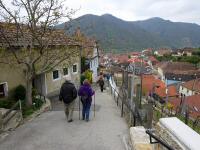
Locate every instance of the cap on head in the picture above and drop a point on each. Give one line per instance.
(86, 81)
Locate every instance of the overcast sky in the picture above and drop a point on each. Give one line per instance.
(131, 10)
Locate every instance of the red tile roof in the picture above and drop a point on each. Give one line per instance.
(122, 58)
(153, 59)
(135, 53)
(149, 81)
(178, 68)
(137, 60)
(193, 85)
(192, 101)
(164, 51)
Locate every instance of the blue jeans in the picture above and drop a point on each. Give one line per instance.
(86, 110)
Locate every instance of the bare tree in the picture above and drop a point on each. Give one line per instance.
(30, 40)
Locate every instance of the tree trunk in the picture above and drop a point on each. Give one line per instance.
(28, 91)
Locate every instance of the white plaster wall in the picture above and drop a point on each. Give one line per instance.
(185, 91)
(186, 136)
(94, 64)
(160, 71)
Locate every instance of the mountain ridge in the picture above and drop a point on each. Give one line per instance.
(115, 34)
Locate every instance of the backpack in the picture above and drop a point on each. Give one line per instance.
(84, 98)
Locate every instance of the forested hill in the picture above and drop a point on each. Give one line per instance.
(115, 34)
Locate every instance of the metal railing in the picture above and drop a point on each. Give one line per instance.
(157, 140)
(8, 115)
(122, 102)
(137, 118)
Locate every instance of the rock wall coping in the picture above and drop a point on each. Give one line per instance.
(184, 134)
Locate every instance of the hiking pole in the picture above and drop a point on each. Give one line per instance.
(79, 109)
(94, 104)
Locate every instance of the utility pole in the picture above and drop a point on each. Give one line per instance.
(132, 90)
(167, 91)
(141, 71)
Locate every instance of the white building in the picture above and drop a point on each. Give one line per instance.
(94, 64)
(190, 88)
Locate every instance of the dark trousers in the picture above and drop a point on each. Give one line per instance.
(86, 110)
(101, 87)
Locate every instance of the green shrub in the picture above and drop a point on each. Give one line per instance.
(37, 103)
(6, 104)
(20, 93)
(27, 111)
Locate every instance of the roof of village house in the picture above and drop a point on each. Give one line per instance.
(186, 49)
(164, 51)
(136, 60)
(11, 36)
(149, 81)
(135, 53)
(193, 85)
(152, 59)
(176, 66)
(122, 58)
(192, 101)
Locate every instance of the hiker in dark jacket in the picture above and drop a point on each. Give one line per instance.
(68, 94)
(86, 93)
(101, 82)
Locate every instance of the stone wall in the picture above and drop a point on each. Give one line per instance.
(139, 139)
(169, 130)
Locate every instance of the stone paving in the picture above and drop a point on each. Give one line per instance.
(50, 131)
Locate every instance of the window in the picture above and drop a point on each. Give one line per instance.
(55, 74)
(65, 71)
(74, 68)
(3, 90)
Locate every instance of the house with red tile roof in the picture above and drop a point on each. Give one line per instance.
(163, 51)
(148, 51)
(134, 54)
(190, 88)
(151, 84)
(192, 102)
(187, 51)
(181, 71)
(152, 61)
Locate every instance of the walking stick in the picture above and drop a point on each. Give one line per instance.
(94, 104)
(79, 108)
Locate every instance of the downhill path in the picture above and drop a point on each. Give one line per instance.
(51, 131)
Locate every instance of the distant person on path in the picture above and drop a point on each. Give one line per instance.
(108, 78)
(86, 93)
(101, 82)
(68, 94)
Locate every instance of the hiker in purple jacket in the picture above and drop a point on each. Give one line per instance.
(86, 93)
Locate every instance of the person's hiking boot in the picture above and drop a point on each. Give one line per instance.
(70, 120)
(87, 120)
